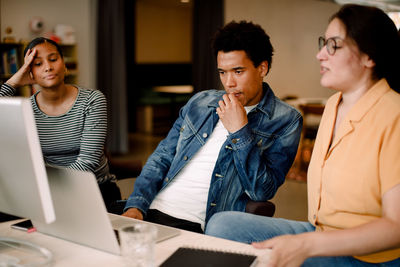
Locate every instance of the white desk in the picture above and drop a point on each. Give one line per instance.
(68, 254)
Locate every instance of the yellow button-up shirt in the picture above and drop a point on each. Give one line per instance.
(347, 179)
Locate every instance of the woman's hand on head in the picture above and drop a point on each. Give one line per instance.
(24, 76)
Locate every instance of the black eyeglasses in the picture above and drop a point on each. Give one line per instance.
(330, 43)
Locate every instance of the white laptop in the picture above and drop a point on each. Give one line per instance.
(81, 215)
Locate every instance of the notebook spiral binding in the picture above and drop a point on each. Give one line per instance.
(226, 251)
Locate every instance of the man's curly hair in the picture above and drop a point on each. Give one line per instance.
(245, 36)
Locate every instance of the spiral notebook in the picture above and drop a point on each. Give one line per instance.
(210, 258)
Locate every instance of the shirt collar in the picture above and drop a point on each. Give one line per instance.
(365, 103)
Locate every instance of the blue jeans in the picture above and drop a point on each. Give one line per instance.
(248, 228)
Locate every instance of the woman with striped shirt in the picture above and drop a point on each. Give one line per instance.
(71, 120)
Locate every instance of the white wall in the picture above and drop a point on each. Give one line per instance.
(80, 14)
(294, 27)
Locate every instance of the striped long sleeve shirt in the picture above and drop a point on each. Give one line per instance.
(75, 139)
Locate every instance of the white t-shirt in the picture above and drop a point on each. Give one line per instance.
(186, 196)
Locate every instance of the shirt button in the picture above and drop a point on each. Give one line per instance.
(185, 158)
(259, 143)
(205, 135)
(234, 141)
(166, 179)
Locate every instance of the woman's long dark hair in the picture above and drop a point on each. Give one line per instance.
(376, 35)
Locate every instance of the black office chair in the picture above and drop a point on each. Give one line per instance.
(265, 208)
(122, 168)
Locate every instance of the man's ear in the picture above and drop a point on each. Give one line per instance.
(263, 67)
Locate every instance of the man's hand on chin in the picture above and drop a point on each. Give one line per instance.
(231, 113)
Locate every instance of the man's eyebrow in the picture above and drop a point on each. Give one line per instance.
(236, 68)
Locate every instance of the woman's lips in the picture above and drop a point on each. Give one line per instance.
(50, 77)
(323, 70)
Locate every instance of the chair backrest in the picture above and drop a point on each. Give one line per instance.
(265, 208)
(124, 167)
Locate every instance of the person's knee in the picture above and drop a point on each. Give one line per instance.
(219, 225)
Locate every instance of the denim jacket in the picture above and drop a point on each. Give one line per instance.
(252, 163)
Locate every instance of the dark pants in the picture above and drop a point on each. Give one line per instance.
(111, 196)
(156, 216)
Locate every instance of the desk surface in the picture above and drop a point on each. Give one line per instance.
(66, 253)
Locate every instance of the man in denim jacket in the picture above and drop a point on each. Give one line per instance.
(226, 147)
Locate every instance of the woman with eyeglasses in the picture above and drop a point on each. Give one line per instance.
(354, 173)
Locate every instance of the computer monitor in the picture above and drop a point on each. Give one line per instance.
(24, 187)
